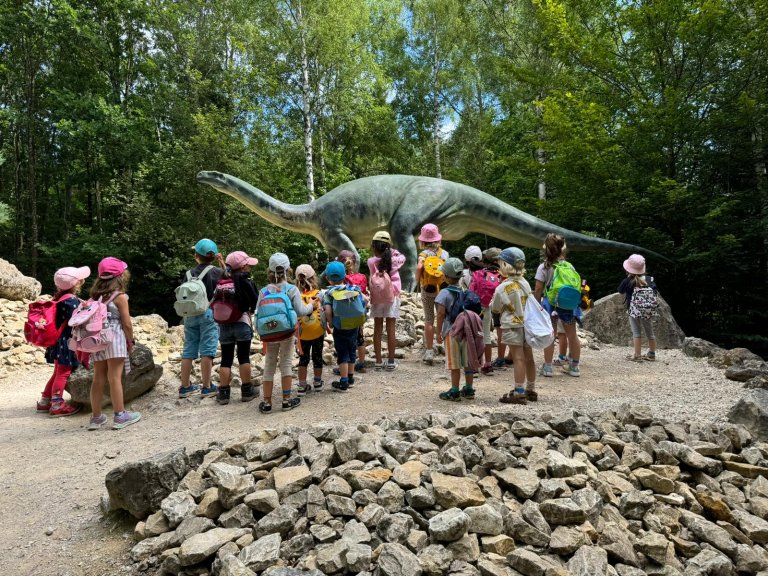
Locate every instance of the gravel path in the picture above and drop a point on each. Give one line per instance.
(53, 469)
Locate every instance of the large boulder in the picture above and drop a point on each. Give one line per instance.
(140, 487)
(609, 322)
(143, 376)
(15, 286)
(752, 412)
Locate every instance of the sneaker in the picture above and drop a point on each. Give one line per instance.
(360, 367)
(390, 365)
(290, 403)
(452, 395)
(212, 390)
(247, 392)
(508, 362)
(63, 409)
(96, 422)
(302, 389)
(486, 369)
(468, 392)
(379, 366)
(351, 380)
(560, 360)
(650, 356)
(222, 396)
(546, 370)
(499, 363)
(125, 418)
(340, 386)
(317, 385)
(265, 407)
(572, 370)
(43, 406)
(429, 357)
(186, 391)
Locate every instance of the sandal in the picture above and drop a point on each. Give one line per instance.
(531, 396)
(452, 395)
(517, 396)
(650, 356)
(633, 358)
(468, 392)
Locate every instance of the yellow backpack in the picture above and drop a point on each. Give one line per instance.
(432, 275)
(311, 327)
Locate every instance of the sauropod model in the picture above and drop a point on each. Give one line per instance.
(350, 214)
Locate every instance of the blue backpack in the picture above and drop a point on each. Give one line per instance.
(348, 307)
(275, 317)
(464, 300)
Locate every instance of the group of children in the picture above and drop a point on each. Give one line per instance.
(293, 315)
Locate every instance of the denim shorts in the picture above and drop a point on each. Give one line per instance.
(345, 342)
(201, 336)
(235, 332)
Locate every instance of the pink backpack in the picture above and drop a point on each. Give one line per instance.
(90, 326)
(484, 283)
(40, 327)
(381, 289)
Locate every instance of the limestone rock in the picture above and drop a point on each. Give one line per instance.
(453, 492)
(751, 411)
(449, 525)
(15, 286)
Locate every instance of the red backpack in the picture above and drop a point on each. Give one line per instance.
(224, 303)
(484, 283)
(40, 327)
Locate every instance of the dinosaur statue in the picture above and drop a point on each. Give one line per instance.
(350, 214)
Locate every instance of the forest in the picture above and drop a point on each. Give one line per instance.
(637, 121)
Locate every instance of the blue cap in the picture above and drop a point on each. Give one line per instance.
(512, 255)
(335, 271)
(206, 247)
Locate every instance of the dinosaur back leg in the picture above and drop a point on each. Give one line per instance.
(403, 239)
(335, 241)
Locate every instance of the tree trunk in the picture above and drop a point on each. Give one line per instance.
(762, 185)
(31, 70)
(306, 110)
(541, 156)
(436, 107)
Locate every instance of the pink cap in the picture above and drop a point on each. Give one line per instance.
(635, 264)
(305, 270)
(111, 267)
(66, 278)
(473, 253)
(238, 259)
(429, 234)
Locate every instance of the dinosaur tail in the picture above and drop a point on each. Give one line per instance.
(279, 213)
(581, 242)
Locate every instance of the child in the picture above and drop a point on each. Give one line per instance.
(311, 331)
(429, 242)
(201, 333)
(349, 259)
(491, 260)
(456, 357)
(279, 274)
(68, 281)
(108, 364)
(636, 278)
(387, 260)
(236, 333)
(483, 281)
(554, 251)
(509, 300)
(344, 340)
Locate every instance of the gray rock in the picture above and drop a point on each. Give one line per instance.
(201, 546)
(565, 540)
(751, 411)
(230, 565)
(279, 521)
(523, 482)
(589, 501)
(471, 425)
(358, 557)
(709, 533)
(449, 525)
(453, 492)
(559, 466)
(501, 544)
(280, 446)
(754, 527)
(420, 498)
(340, 505)
(140, 487)
(322, 533)
(466, 548)
(356, 533)
(15, 286)
(263, 553)
(528, 562)
(562, 511)
(435, 560)
(589, 561)
(263, 501)
(484, 520)
(634, 456)
(691, 458)
(238, 517)
(177, 506)
(699, 348)
(395, 527)
(397, 560)
(709, 562)
(531, 514)
(391, 497)
(635, 504)
(371, 515)
(515, 526)
(297, 546)
(654, 546)
(619, 544)
(332, 558)
(292, 479)
(336, 485)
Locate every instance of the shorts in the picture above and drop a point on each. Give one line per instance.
(487, 321)
(566, 317)
(496, 319)
(428, 304)
(513, 336)
(201, 336)
(345, 343)
(456, 357)
(386, 310)
(313, 349)
(235, 332)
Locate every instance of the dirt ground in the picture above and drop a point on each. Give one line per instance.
(52, 469)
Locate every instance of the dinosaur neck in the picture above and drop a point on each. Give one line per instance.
(290, 216)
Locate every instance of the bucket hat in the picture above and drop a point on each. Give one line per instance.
(635, 264)
(429, 234)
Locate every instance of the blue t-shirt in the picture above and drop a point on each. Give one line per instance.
(446, 298)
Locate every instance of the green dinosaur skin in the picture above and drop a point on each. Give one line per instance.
(350, 214)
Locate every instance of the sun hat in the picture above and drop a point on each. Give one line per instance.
(452, 268)
(111, 267)
(491, 254)
(305, 270)
(277, 261)
(238, 259)
(345, 255)
(206, 247)
(66, 278)
(335, 271)
(429, 234)
(473, 253)
(382, 236)
(512, 255)
(635, 264)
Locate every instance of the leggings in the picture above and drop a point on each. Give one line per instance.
(243, 353)
(282, 353)
(313, 349)
(58, 380)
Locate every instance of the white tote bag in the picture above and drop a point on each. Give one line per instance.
(537, 324)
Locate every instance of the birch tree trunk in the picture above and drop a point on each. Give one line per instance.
(306, 110)
(436, 105)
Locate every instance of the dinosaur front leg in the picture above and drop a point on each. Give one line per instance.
(335, 241)
(403, 240)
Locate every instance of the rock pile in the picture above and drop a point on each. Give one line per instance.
(616, 494)
(14, 285)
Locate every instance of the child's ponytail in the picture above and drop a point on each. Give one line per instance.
(383, 248)
(553, 249)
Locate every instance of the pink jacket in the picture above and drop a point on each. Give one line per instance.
(469, 327)
(397, 262)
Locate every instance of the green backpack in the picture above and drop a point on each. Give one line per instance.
(565, 290)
